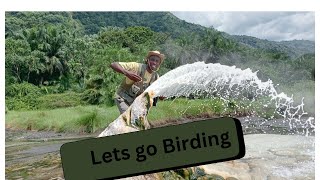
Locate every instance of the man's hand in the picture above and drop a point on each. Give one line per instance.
(134, 77)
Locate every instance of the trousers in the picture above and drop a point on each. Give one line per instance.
(121, 104)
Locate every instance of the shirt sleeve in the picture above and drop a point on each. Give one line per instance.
(130, 66)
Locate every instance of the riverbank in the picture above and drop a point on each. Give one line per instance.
(42, 136)
(36, 154)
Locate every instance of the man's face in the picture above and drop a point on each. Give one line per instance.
(154, 62)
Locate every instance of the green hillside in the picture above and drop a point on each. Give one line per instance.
(294, 48)
(157, 21)
(50, 54)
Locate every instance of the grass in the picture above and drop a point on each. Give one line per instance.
(89, 119)
(302, 90)
(184, 108)
(73, 119)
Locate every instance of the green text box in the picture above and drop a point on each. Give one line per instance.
(153, 150)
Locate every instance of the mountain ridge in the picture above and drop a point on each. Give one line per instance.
(166, 22)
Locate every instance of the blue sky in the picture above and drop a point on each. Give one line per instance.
(274, 26)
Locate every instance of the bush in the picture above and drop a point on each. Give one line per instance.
(89, 121)
(52, 89)
(22, 96)
(23, 89)
(52, 101)
(26, 96)
(93, 96)
(28, 102)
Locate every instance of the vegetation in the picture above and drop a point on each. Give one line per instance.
(90, 119)
(73, 119)
(293, 48)
(61, 60)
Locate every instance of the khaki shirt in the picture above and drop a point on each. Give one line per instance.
(134, 67)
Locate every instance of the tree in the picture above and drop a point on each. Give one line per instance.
(39, 54)
(17, 53)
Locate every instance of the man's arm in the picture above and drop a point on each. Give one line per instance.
(131, 75)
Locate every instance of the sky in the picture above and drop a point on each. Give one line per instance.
(273, 26)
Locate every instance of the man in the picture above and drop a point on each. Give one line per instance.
(138, 77)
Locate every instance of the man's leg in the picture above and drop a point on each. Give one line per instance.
(122, 105)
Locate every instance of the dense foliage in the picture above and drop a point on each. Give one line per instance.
(52, 55)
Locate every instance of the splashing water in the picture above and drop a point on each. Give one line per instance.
(267, 155)
(229, 83)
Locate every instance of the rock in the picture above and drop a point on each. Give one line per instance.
(231, 178)
(270, 156)
(211, 177)
(133, 119)
(144, 177)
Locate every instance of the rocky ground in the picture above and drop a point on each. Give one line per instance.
(35, 155)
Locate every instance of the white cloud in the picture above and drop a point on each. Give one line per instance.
(276, 26)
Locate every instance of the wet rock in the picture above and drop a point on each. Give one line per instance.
(211, 177)
(270, 156)
(144, 177)
(231, 178)
(133, 119)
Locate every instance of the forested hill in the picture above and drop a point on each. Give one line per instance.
(93, 22)
(59, 52)
(294, 48)
(157, 21)
(166, 22)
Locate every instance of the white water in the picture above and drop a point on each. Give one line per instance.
(229, 83)
(210, 78)
(268, 156)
